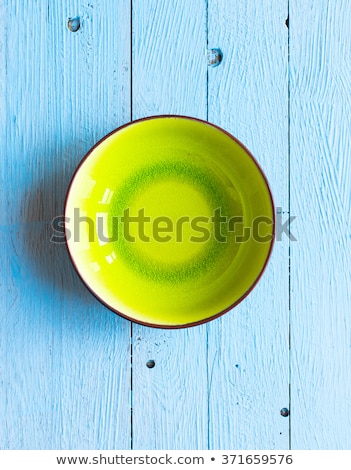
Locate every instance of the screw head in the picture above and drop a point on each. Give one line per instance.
(150, 364)
(284, 412)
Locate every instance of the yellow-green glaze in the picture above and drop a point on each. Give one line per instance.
(171, 167)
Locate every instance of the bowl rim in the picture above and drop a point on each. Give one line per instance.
(231, 306)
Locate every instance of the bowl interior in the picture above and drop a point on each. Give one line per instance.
(169, 221)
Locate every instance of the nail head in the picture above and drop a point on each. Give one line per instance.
(214, 57)
(73, 24)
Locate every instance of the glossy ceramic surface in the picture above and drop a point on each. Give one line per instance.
(169, 221)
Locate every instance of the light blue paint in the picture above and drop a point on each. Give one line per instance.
(65, 361)
(321, 199)
(248, 96)
(170, 401)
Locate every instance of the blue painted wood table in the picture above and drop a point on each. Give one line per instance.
(72, 374)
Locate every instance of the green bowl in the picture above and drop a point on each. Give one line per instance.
(169, 221)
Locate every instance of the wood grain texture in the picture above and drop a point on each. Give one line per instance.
(248, 348)
(320, 45)
(3, 130)
(65, 360)
(169, 61)
(170, 407)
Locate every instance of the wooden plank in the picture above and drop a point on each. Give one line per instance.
(248, 348)
(3, 138)
(3, 267)
(169, 41)
(65, 375)
(320, 197)
(169, 76)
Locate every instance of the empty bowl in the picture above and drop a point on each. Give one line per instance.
(169, 221)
